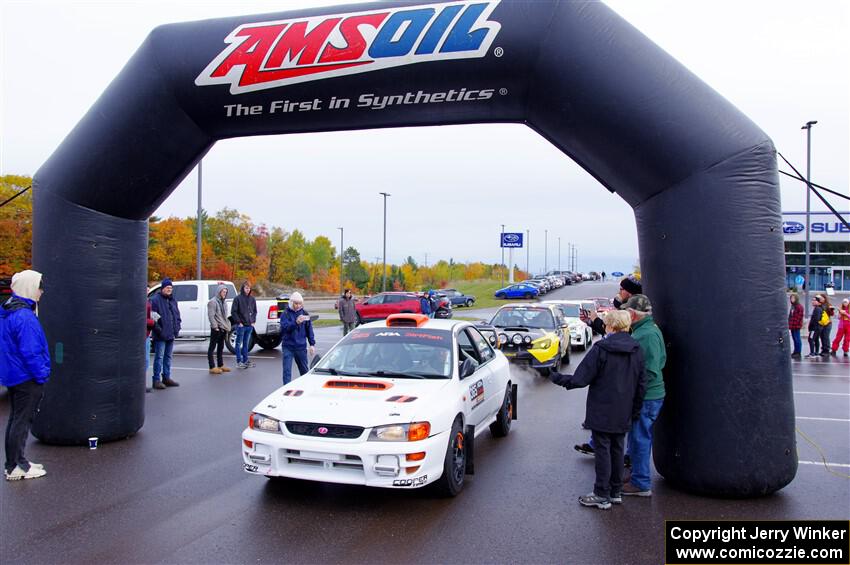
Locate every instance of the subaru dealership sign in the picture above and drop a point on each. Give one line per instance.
(512, 239)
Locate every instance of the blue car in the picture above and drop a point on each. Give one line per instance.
(521, 290)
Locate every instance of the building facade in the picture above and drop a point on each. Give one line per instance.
(829, 250)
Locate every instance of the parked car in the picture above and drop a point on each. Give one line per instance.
(383, 304)
(603, 304)
(458, 298)
(581, 334)
(521, 290)
(534, 335)
(192, 298)
(394, 404)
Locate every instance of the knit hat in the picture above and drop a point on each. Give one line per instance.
(631, 285)
(638, 303)
(166, 282)
(26, 283)
(295, 297)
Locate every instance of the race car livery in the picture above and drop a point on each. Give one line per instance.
(581, 335)
(396, 403)
(532, 335)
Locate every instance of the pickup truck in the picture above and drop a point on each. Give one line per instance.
(192, 298)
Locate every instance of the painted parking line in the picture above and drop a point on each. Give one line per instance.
(822, 393)
(823, 419)
(821, 463)
(820, 375)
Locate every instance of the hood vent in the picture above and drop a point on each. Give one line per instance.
(358, 385)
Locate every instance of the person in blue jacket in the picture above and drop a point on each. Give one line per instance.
(24, 369)
(165, 331)
(297, 330)
(425, 304)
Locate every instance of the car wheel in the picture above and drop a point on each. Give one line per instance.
(585, 345)
(528, 295)
(502, 426)
(359, 320)
(566, 359)
(454, 465)
(230, 341)
(268, 342)
(469, 303)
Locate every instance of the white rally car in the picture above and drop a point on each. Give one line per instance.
(581, 335)
(396, 403)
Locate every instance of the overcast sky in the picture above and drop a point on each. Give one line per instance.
(781, 62)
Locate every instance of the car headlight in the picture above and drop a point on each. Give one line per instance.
(263, 423)
(401, 432)
(503, 339)
(516, 339)
(545, 344)
(527, 339)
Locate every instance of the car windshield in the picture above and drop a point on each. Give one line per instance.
(570, 310)
(521, 317)
(391, 352)
(603, 302)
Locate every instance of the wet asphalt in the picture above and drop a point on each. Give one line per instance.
(176, 492)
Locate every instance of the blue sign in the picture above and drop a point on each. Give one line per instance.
(616, 274)
(511, 239)
(799, 280)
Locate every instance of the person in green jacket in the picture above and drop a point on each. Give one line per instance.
(651, 342)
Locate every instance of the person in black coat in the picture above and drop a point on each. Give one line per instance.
(815, 328)
(243, 314)
(614, 371)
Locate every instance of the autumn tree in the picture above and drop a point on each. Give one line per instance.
(15, 224)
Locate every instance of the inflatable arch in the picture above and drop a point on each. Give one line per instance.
(700, 176)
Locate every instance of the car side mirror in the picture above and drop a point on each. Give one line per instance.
(467, 368)
(315, 360)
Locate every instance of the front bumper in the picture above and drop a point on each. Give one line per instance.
(525, 357)
(354, 462)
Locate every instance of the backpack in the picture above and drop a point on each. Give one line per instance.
(824, 319)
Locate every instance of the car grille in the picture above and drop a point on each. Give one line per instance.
(333, 431)
(511, 348)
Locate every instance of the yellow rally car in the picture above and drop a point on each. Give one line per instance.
(535, 335)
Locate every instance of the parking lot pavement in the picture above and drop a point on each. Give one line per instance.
(176, 492)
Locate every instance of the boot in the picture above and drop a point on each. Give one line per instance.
(158, 385)
(170, 382)
(224, 369)
(215, 371)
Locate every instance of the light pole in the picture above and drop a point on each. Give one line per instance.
(807, 280)
(341, 258)
(200, 171)
(384, 282)
(502, 246)
(545, 251)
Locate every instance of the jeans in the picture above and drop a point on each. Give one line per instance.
(347, 327)
(798, 343)
(147, 355)
(609, 463)
(814, 341)
(162, 351)
(243, 337)
(216, 346)
(300, 356)
(640, 443)
(824, 338)
(23, 405)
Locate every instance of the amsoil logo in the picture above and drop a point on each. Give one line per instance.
(278, 53)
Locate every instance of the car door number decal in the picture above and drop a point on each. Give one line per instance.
(476, 393)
